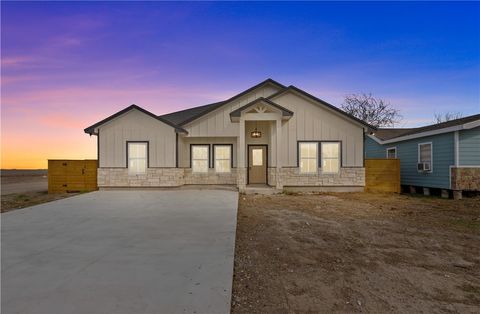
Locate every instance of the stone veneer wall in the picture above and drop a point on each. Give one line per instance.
(465, 178)
(211, 177)
(293, 177)
(169, 177)
(155, 177)
(241, 178)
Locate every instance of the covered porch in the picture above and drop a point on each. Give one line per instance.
(259, 148)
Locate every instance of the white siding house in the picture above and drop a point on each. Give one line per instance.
(270, 135)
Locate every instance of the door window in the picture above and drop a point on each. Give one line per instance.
(257, 157)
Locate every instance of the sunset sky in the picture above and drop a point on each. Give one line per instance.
(66, 65)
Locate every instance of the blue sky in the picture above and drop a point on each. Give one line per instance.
(67, 65)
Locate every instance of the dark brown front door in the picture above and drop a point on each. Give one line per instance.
(257, 164)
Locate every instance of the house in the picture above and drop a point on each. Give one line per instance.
(443, 156)
(267, 135)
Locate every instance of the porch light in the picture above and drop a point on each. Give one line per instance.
(256, 134)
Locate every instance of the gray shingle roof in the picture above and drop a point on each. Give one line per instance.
(179, 117)
(188, 115)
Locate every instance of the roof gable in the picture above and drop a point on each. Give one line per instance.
(188, 115)
(285, 112)
(91, 129)
(321, 102)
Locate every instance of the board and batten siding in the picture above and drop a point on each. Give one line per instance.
(136, 126)
(407, 152)
(313, 122)
(217, 122)
(469, 147)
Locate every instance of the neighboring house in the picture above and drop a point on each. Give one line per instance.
(444, 155)
(269, 134)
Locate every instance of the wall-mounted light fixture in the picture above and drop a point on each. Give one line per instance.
(256, 133)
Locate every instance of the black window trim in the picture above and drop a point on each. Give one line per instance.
(209, 154)
(318, 155)
(319, 150)
(213, 154)
(148, 151)
(340, 153)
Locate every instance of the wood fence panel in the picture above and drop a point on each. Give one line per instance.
(382, 175)
(72, 175)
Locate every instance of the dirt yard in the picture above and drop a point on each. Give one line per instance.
(343, 253)
(21, 200)
(23, 188)
(22, 181)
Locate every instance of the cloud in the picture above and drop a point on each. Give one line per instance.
(15, 61)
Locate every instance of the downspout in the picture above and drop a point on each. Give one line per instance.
(457, 148)
(98, 148)
(364, 152)
(176, 150)
(456, 156)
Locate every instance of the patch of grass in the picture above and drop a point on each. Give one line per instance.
(473, 224)
(22, 198)
(471, 289)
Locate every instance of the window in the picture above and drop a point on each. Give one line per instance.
(257, 157)
(199, 157)
(392, 153)
(308, 157)
(330, 157)
(223, 157)
(137, 155)
(425, 155)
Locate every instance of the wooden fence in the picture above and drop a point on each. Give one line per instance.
(382, 175)
(72, 175)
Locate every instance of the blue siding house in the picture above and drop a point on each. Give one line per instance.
(444, 156)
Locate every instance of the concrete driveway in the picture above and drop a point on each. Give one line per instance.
(122, 252)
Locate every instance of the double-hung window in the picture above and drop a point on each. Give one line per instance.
(200, 155)
(330, 157)
(308, 157)
(223, 157)
(137, 153)
(391, 152)
(425, 156)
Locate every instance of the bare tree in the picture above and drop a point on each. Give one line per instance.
(447, 116)
(375, 111)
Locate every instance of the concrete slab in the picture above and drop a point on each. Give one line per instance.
(121, 252)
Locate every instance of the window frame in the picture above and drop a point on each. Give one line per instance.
(340, 162)
(431, 156)
(299, 157)
(147, 156)
(208, 157)
(390, 148)
(214, 158)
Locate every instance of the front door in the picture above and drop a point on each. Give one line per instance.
(257, 164)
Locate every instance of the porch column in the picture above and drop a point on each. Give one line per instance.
(241, 170)
(279, 154)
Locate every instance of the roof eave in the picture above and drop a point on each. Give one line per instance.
(267, 81)
(91, 129)
(367, 127)
(401, 138)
